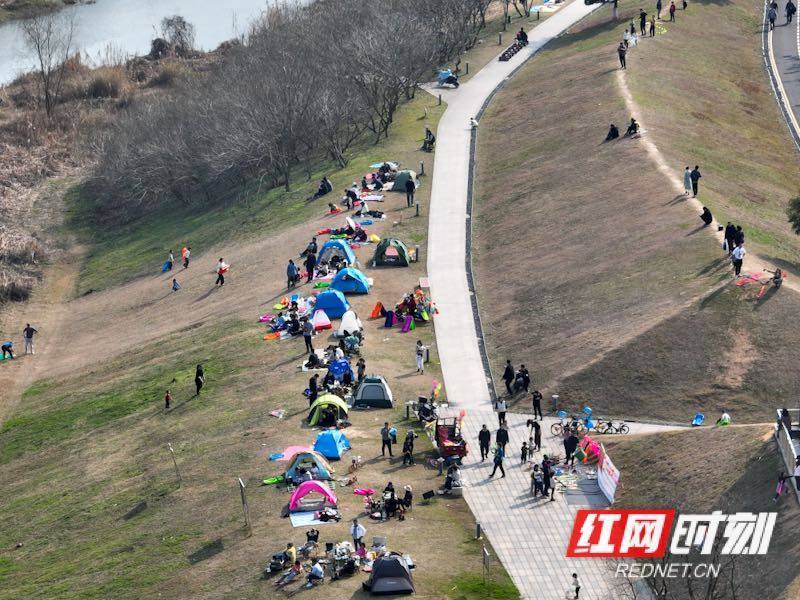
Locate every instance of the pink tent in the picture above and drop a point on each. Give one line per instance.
(306, 488)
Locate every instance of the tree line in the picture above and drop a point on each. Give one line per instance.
(309, 81)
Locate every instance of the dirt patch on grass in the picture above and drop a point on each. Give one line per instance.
(737, 360)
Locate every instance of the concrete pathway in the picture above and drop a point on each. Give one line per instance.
(783, 48)
(530, 536)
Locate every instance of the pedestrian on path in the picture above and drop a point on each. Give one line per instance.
(570, 445)
(199, 379)
(308, 331)
(772, 14)
(790, 10)
(537, 435)
(185, 254)
(547, 474)
(386, 440)
(167, 400)
(738, 238)
(642, 22)
(484, 439)
(419, 354)
(523, 453)
(695, 177)
(411, 187)
(310, 263)
(672, 11)
(652, 27)
(730, 236)
(499, 454)
(170, 261)
(500, 407)
(687, 181)
(737, 257)
(222, 268)
(501, 437)
(537, 482)
(537, 404)
(658, 9)
(575, 585)
(621, 51)
(292, 275)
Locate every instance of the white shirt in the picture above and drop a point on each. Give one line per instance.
(739, 252)
(501, 406)
(357, 531)
(317, 571)
(339, 353)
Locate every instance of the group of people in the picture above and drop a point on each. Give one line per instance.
(28, 332)
(613, 130)
(772, 14)
(516, 381)
(630, 37)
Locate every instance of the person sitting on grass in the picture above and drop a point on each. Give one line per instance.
(613, 133)
(633, 128)
(724, 420)
(289, 576)
(316, 574)
(175, 285)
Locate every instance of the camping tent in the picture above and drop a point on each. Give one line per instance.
(296, 503)
(338, 368)
(350, 281)
(391, 252)
(349, 325)
(390, 575)
(401, 178)
(326, 401)
(373, 392)
(332, 443)
(321, 321)
(337, 248)
(333, 303)
(308, 459)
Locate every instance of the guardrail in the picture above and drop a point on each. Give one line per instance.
(786, 446)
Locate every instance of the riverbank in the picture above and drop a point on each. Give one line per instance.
(24, 9)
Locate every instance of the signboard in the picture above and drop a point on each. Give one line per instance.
(607, 476)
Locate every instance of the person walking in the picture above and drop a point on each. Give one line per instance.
(652, 27)
(730, 236)
(386, 440)
(523, 453)
(570, 445)
(499, 454)
(738, 236)
(642, 22)
(575, 585)
(170, 261)
(537, 436)
(525, 377)
(484, 439)
(292, 274)
(500, 407)
(621, 51)
(536, 397)
(167, 400)
(687, 181)
(501, 437)
(547, 474)
(199, 379)
(308, 331)
(419, 354)
(672, 11)
(537, 482)
(27, 337)
(313, 388)
(695, 177)
(772, 14)
(411, 187)
(737, 257)
(658, 9)
(357, 532)
(185, 254)
(508, 377)
(222, 268)
(310, 263)
(790, 10)
(781, 486)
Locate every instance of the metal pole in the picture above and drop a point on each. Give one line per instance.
(417, 205)
(440, 99)
(477, 531)
(421, 168)
(175, 463)
(245, 508)
(500, 39)
(466, 72)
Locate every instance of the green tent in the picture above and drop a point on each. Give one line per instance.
(401, 178)
(326, 401)
(391, 253)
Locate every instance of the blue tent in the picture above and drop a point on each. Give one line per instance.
(332, 444)
(333, 303)
(350, 281)
(338, 368)
(334, 247)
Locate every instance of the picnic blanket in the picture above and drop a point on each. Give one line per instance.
(306, 519)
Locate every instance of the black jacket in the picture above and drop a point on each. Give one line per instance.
(502, 436)
(484, 437)
(508, 374)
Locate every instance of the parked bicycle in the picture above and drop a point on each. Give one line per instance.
(609, 427)
(568, 423)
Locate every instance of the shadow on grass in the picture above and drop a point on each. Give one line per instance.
(206, 551)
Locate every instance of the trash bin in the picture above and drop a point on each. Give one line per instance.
(555, 402)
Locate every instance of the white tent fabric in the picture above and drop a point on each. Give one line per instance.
(350, 323)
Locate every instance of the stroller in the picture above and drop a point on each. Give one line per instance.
(446, 78)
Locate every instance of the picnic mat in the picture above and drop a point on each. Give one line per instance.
(306, 519)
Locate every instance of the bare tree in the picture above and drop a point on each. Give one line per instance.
(50, 38)
(179, 34)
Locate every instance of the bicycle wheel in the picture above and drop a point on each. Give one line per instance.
(623, 428)
(556, 429)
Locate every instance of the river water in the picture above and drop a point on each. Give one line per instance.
(126, 27)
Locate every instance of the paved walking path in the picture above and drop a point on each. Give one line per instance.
(529, 537)
(784, 47)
